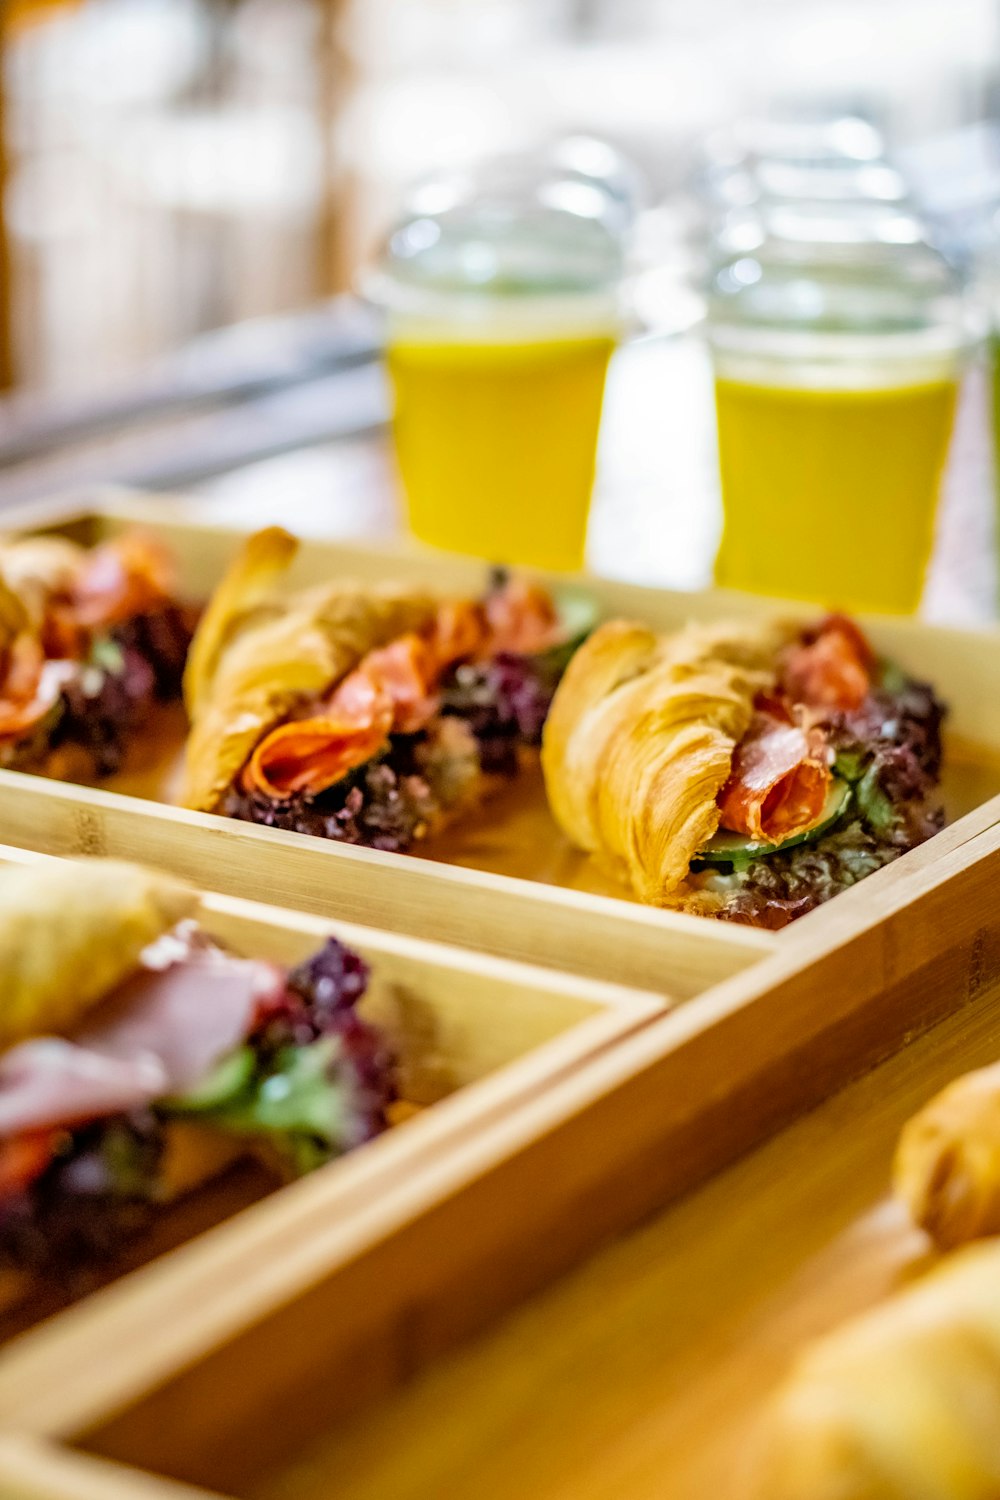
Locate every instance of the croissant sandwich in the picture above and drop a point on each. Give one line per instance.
(368, 714)
(741, 771)
(137, 1058)
(89, 640)
(903, 1404)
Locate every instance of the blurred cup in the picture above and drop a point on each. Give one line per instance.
(501, 292)
(838, 337)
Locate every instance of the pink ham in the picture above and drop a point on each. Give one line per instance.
(161, 1033)
(50, 1082)
(779, 781)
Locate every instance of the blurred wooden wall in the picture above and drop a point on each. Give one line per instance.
(6, 288)
(337, 82)
(255, 266)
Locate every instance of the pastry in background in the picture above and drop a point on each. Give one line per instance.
(901, 1404)
(947, 1166)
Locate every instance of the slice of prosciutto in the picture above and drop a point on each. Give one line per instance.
(779, 781)
(119, 579)
(395, 689)
(309, 755)
(160, 1033)
(832, 669)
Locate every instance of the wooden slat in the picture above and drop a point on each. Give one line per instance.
(590, 935)
(32, 1470)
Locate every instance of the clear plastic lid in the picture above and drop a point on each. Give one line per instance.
(518, 242)
(756, 182)
(758, 160)
(821, 140)
(833, 287)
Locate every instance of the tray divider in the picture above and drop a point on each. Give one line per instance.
(593, 936)
(33, 1469)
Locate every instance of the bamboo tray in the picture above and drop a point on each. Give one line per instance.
(474, 1037)
(229, 1357)
(699, 1316)
(697, 1324)
(506, 882)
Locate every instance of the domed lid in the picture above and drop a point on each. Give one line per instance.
(858, 265)
(517, 230)
(834, 292)
(823, 158)
(589, 159)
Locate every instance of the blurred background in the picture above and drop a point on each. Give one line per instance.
(173, 167)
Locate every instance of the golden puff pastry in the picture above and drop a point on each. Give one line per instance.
(947, 1167)
(257, 657)
(70, 932)
(902, 1404)
(640, 738)
(260, 563)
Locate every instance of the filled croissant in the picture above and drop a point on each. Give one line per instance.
(363, 713)
(743, 771)
(137, 1058)
(903, 1404)
(90, 639)
(947, 1167)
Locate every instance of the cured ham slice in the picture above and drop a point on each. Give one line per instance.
(189, 1015)
(49, 1082)
(161, 1033)
(23, 703)
(394, 690)
(522, 618)
(778, 784)
(830, 670)
(459, 632)
(309, 755)
(397, 682)
(119, 579)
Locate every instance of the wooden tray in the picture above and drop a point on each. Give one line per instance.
(506, 882)
(474, 1037)
(238, 1346)
(698, 1316)
(228, 1357)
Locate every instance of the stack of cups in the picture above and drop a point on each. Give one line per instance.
(838, 335)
